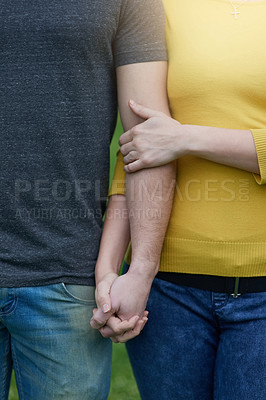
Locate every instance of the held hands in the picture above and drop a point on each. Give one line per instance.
(121, 302)
(157, 141)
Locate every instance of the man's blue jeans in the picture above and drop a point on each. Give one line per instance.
(200, 345)
(45, 335)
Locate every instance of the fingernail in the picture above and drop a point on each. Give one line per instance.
(106, 308)
(132, 102)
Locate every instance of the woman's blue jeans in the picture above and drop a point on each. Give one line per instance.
(200, 345)
(45, 335)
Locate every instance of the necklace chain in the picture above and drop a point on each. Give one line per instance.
(235, 7)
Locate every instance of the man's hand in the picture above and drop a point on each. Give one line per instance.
(155, 142)
(129, 295)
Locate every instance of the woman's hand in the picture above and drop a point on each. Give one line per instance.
(157, 141)
(161, 139)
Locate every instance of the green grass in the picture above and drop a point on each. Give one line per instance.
(114, 146)
(13, 394)
(123, 385)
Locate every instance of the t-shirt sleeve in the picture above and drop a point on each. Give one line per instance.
(259, 136)
(141, 32)
(118, 182)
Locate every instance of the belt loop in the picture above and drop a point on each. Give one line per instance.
(236, 294)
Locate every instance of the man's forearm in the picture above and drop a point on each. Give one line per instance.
(149, 199)
(149, 192)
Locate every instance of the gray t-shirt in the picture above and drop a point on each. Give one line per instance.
(58, 110)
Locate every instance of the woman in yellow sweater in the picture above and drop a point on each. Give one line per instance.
(206, 335)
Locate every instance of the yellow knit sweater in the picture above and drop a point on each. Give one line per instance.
(217, 77)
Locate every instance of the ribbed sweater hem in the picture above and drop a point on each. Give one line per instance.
(243, 259)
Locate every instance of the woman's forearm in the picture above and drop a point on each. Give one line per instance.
(115, 238)
(231, 147)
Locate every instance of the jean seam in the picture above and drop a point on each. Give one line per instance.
(12, 308)
(69, 294)
(4, 395)
(17, 373)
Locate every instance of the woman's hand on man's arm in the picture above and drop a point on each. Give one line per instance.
(161, 139)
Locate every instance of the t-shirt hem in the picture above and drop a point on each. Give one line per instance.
(131, 57)
(7, 283)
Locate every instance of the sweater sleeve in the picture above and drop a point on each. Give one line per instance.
(259, 136)
(118, 182)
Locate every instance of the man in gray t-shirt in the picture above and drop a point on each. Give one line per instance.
(59, 67)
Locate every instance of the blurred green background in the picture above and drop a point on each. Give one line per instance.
(123, 386)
